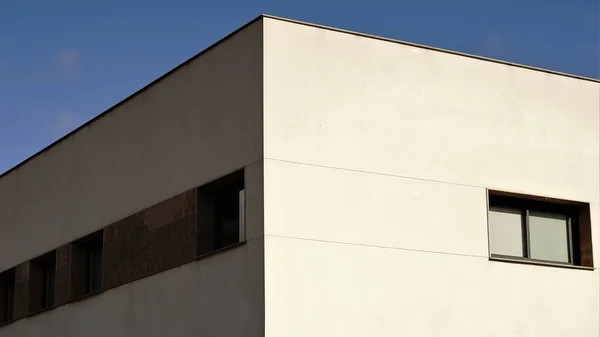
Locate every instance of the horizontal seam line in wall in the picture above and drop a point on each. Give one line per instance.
(255, 238)
(376, 246)
(375, 173)
(391, 175)
(254, 162)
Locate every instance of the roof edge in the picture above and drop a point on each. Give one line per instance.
(447, 51)
(258, 18)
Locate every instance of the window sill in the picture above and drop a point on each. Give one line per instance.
(217, 251)
(539, 263)
(86, 296)
(37, 312)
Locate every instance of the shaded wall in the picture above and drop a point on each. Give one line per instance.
(199, 123)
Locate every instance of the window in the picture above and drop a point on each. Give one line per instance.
(86, 265)
(539, 229)
(42, 280)
(7, 295)
(221, 213)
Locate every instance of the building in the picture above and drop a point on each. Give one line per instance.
(295, 180)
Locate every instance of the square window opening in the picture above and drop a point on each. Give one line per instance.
(539, 229)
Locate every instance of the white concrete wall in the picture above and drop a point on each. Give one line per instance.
(199, 123)
(220, 296)
(377, 160)
(341, 100)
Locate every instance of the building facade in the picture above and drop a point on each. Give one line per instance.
(295, 180)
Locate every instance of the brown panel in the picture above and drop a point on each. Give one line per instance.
(63, 268)
(585, 237)
(167, 211)
(111, 274)
(151, 241)
(21, 290)
(534, 198)
(124, 229)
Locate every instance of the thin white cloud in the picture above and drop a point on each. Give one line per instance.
(65, 66)
(65, 122)
(68, 63)
(591, 19)
(494, 46)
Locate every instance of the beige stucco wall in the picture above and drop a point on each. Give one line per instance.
(377, 160)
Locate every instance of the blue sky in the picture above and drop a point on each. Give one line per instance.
(64, 62)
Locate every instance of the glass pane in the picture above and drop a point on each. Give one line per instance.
(506, 237)
(548, 236)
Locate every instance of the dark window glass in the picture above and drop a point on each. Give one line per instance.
(42, 275)
(7, 295)
(221, 206)
(86, 265)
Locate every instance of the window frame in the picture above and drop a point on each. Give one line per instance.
(544, 205)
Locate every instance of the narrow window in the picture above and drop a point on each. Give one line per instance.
(7, 295)
(539, 229)
(86, 267)
(42, 274)
(221, 213)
